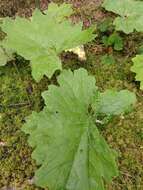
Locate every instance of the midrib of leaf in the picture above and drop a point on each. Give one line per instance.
(77, 149)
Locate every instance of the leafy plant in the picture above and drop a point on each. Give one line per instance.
(44, 36)
(108, 59)
(70, 152)
(138, 69)
(113, 40)
(130, 14)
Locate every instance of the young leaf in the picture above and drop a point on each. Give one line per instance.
(108, 59)
(130, 14)
(43, 37)
(112, 102)
(138, 69)
(115, 40)
(67, 145)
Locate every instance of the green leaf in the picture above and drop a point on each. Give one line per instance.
(115, 40)
(130, 14)
(138, 69)
(43, 37)
(68, 148)
(112, 102)
(70, 152)
(5, 56)
(108, 59)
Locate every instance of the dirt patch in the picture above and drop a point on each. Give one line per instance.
(20, 7)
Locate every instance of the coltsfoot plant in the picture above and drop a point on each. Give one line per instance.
(130, 13)
(68, 148)
(43, 37)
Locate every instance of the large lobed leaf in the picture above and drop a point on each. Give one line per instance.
(44, 36)
(68, 148)
(138, 69)
(130, 14)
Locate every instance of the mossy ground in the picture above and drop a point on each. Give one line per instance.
(20, 95)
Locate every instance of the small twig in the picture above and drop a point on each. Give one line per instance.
(21, 104)
(126, 174)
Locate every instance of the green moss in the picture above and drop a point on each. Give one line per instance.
(19, 95)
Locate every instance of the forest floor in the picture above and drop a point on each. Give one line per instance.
(20, 95)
